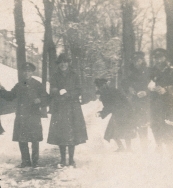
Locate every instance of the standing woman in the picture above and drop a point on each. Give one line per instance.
(67, 127)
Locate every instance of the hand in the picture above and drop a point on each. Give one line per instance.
(62, 91)
(152, 86)
(160, 90)
(37, 101)
(168, 122)
(141, 94)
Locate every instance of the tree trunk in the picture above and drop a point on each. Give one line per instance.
(169, 20)
(49, 50)
(44, 61)
(128, 34)
(20, 37)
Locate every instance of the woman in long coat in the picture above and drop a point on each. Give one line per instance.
(120, 125)
(30, 96)
(67, 127)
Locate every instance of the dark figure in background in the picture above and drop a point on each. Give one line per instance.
(67, 127)
(160, 87)
(136, 89)
(120, 125)
(1, 129)
(31, 96)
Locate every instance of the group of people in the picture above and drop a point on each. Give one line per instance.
(145, 96)
(67, 126)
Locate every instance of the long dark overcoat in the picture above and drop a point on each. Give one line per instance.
(27, 125)
(67, 125)
(138, 81)
(162, 105)
(120, 125)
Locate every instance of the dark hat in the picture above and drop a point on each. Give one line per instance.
(159, 52)
(28, 66)
(139, 55)
(62, 58)
(100, 82)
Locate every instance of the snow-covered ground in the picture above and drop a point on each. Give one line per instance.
(98, 166)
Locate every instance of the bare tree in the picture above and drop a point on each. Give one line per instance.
(128, 34)
(154, 19)
(169, 19)
(49, 49)
(20, 37)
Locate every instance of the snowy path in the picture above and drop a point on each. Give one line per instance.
(98, 166)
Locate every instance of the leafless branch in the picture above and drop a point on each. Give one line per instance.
(38, 12)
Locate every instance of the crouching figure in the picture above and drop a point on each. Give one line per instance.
(120, 125)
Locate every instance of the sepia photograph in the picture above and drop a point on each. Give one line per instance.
(86, 93)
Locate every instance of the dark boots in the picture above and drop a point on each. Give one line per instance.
(121, 147)
(71, 149)
(71, 156)
(24, 149)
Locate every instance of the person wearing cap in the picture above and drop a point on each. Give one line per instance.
(135, 87)
(160, 87)
(31, 96)
(67, 126)
(120, 125)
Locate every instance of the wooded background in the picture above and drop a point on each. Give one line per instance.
(100, 36)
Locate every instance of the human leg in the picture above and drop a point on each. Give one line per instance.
(71, 149)
(25, 154)
(143, 135)
(35, 153)
(62, 149)
(128, 144)
(119, 144)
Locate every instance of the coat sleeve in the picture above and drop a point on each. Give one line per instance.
(9, 95)
(107, 102)
(44, 96)
(105, 112)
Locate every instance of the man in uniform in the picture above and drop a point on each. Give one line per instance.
(160, 88)
(31, 96)
(137, 91)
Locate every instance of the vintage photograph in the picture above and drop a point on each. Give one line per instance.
(86, 93)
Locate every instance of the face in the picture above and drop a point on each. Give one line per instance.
(101, 88)
(138, 63)
(64, 66)
(160, 62)
(27, 74)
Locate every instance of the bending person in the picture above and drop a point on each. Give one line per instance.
(120, 125)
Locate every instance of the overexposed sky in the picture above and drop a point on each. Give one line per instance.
(34, 30)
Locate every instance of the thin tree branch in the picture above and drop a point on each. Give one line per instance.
(38, 12)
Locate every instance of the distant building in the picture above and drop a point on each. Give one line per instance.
(8, 52)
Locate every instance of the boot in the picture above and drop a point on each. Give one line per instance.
(63, 156)
(71, 156)
(120, 146)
